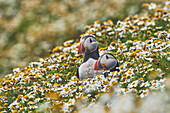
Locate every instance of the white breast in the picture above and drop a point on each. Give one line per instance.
(86, 70)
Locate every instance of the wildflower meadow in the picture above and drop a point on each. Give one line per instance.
(141, 44)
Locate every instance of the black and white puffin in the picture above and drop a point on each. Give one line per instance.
(107, 62)
(89, 46)
(92, 67)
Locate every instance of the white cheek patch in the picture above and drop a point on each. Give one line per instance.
(109, 63)
(91, 46)
(103, 60)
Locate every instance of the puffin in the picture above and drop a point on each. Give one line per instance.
(107, 61)
(91, 68)
(89, 46)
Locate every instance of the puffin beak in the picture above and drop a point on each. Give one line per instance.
(96, 66)
(103, 65)
(80, 49)
(86, 48)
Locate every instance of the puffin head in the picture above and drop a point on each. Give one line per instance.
(88, 44)
(106, 61)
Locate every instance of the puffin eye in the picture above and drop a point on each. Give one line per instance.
(91, 40)
(107, 57)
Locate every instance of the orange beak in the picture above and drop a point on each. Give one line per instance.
(80, 49)
(96, 66)
(103, 65)
(86, 48)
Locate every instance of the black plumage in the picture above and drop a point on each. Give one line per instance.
(77, 73)
(94, 55)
